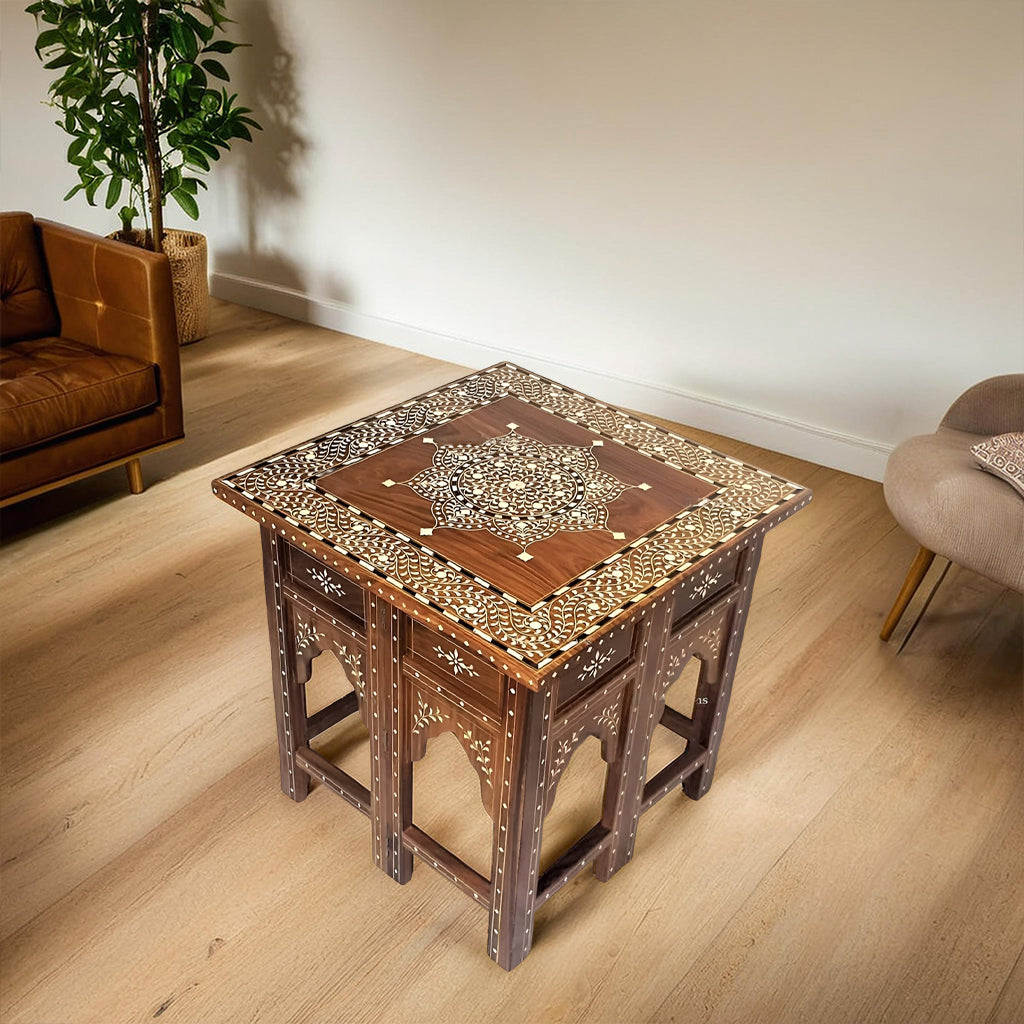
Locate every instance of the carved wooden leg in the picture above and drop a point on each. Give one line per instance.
(517, 827)
(716, 681)
(918, 568)
(134, 471)
(625, 789)
(289, 693)
(391, 765)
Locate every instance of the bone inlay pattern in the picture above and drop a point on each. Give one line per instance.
(517, 488)
(544, 633)
(521, 660)
(352, 662)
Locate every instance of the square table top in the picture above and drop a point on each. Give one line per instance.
(530, 514)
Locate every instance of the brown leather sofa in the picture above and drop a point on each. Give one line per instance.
(89, 360)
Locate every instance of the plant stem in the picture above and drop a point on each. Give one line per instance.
(153, 170)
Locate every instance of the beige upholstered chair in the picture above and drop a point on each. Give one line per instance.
(948, 504)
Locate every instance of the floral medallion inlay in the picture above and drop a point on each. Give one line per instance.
(517, 488)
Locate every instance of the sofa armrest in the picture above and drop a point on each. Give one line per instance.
(118, 298)
(995, 406)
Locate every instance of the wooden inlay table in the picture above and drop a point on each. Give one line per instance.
(514, 562)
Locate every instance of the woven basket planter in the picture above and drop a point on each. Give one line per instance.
(186, 253)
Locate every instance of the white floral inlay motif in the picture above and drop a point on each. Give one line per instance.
(353, 667)
(455, 663)
(323, 579)
(599, 660)
(565, 748)
(672, 670)
(608, 720)
(425, 714)
(481, 749)
(305, 635)
(704, 584)
(710, 636)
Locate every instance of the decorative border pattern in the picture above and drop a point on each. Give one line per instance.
(285, 485)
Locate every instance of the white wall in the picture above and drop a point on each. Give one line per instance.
(795, 222)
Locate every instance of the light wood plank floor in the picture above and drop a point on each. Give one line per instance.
(859, 857)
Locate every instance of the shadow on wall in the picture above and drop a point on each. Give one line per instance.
(266, 79)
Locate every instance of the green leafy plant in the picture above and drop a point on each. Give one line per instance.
(135, 94)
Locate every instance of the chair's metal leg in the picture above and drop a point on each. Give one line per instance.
(921, 564)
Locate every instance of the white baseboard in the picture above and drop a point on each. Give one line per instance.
(845, 452)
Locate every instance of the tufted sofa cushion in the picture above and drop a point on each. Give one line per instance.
(27, 309)
(53, 386)
(89, 366)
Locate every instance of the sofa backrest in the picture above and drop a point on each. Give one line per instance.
(27, 309)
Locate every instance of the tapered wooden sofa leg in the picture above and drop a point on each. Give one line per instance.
(918, 568)
(134, 470)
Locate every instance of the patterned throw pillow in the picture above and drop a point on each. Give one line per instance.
(1003, 455)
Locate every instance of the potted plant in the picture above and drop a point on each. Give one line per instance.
(135, 93)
